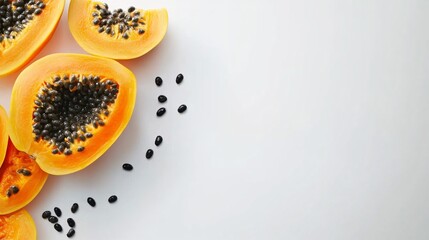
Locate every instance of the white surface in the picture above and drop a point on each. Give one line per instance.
(307, 120)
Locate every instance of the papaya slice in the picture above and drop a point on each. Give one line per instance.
(68, 109)
(24, 35)
(17, 226)
(116, 34)
(21, 179)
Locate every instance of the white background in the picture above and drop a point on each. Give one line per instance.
(307, 120)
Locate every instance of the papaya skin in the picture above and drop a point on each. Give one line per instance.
(32, 39)
(87, 36)
(17, 226)
(3, 134)
(24, 93)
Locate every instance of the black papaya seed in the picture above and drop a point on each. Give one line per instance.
(158, 140)
(46, 214)
(74, 207)
(149, 153)
(58, 211)
(113, 199)
(71, 233)
(71, 222)
(91, 202)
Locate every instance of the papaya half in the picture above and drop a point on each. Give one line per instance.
(116, 34)
(68, 109)
(25, 28)
(17, 226)
(21, 179)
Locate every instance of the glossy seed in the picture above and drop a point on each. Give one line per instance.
(161, 112)
(113, 199)
(162, 99)
(53, 219)
(71, 222)
(131, 9)
(158, 81)
(58, 211)
(182, 108)
(80, 149)
(14, 189)
(179, 79)
(68, 152)
(91, 202)
(71, 233)
(24, 172)
(9, 193)
(74, 207)
(158, 140)
(46, 214)
(58, 227)
(149, 153)
(127, 167)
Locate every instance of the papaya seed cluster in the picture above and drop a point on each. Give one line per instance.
(67, 105)
(118, 22)
(14, 16)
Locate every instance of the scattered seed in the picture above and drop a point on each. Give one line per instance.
(53, 219)
(58, 227)
(71, 222)
(127, 167)
(179, 79)
(113, 199)
(158, 140)
(161, 112)
(58, 211)
(158, 81)
(91, 201)
(71, 233)
(74, 207)
(149, 153)
(182, 108)
(162, 98)
(46, 214)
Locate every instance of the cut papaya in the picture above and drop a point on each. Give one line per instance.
(116, 34)
(25, 28)
(68, 109)
(17, 226)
